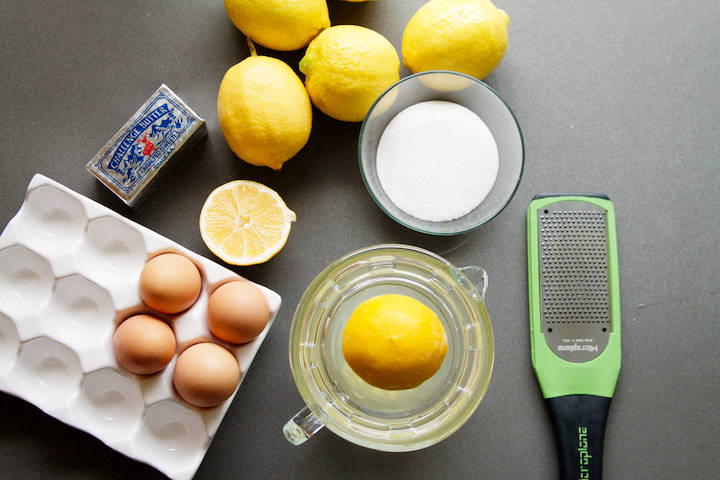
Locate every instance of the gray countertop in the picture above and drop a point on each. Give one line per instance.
(614, 97)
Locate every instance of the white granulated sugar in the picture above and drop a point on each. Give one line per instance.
(437, 160)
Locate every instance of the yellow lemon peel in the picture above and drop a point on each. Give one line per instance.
(466, 36)
(346, 69)
(394, 342)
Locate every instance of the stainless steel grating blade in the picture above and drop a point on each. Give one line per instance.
(574, 282)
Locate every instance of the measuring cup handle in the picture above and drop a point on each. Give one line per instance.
(302, 426)
(478, 277)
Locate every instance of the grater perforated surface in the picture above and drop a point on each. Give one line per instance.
(574, 278)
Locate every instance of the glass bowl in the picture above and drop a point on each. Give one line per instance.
(470, 93)
(398, 420)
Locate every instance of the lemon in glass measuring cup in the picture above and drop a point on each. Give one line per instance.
(394, 342)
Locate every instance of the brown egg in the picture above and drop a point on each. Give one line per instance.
(144, 344)
(237, 312)
(170, 283)
(206, 374)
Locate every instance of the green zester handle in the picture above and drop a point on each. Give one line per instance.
(579, 424)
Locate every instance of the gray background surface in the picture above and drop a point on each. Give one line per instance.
(616, 97)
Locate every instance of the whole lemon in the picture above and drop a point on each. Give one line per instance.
(394, 342)
(466, 36)
(264, 110)
(346, 69)
(277, 24)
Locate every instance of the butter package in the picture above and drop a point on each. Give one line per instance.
(148, 145)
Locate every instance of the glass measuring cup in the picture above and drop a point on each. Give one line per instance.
(386, 420)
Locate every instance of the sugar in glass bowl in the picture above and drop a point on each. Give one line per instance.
(467, 92)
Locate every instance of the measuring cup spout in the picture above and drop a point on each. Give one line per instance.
(302, 426)
(478, 277)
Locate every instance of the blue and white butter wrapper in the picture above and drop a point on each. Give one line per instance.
(147, 146)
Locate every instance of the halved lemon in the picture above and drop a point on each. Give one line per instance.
(245, 223)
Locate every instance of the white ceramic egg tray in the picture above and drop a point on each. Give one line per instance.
(69, 270)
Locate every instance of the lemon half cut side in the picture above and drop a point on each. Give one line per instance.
(245, 223)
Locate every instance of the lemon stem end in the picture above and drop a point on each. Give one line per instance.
(251, 46)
